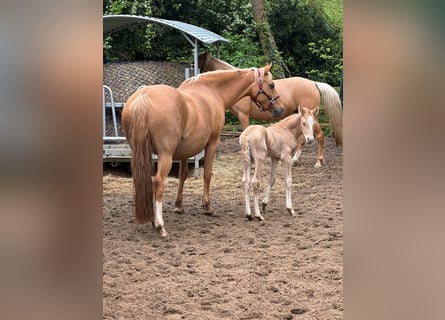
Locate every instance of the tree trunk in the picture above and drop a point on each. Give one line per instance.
(267, 40)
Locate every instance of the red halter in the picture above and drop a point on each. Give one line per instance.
(272, 100)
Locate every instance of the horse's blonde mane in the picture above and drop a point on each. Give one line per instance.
(208, 74)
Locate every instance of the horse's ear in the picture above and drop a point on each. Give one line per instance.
(267, 68)
(315, 112)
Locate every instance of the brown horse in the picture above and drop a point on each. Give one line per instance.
(279, 142)
(178, 123)
(294, 92)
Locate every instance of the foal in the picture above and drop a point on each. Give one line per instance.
(279, 142)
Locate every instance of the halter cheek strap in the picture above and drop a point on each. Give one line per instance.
(272, 100)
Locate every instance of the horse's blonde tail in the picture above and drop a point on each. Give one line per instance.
(332, 104)
(138, 135)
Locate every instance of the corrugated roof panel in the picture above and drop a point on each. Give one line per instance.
(114, 23)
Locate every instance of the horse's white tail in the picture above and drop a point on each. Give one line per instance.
(332, 104)
(138, 135)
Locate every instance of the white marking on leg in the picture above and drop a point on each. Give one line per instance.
(159, 221)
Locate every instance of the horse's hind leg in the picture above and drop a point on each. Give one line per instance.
(272, 179)
(246, 186)
(320, 139)
(183, 173)
(256, 183)
(164, 166)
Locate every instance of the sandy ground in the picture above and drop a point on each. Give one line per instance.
(224, 266)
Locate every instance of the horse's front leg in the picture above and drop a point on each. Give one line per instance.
(243, 120)
(320, 139)
(183, 174)
(210, 152)
(287, 171)
(300, 145)
(164, 166)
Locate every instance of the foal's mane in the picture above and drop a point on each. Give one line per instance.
(285, 122)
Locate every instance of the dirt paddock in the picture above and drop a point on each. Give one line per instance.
(224, 266)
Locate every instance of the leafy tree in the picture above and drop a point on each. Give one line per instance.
(308, 34)
(267, 40)
(330, 69)
(131, 43)
(304, 23)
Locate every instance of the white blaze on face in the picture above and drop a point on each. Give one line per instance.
(310, 120)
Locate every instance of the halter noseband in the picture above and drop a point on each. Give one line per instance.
(272, 100)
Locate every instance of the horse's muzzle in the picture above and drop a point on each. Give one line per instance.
(277, 112)
(309, 140)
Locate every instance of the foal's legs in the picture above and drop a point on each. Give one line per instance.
(210, 152)
(320, 139)
(183, 173)
(287, 171)
(300, 145)
(247, 164)
(272, 179)
(164, 166)
(256, 183)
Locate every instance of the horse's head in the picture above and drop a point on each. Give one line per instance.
(203, 61)
(307, 121)
(266, 97)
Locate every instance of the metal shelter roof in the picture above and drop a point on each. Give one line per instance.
(114, 23)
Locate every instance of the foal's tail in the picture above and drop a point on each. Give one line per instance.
(138, 135)
(246, 156)
(332, 104)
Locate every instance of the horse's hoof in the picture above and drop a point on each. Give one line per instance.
(259, 218)
(161, 231)
(264, 206)
(208, 211)
(317, 165)
(179, 210)
(249, 217)
(291, 212)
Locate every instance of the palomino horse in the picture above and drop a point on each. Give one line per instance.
(278, 141)
(178, 123)
(294, 92)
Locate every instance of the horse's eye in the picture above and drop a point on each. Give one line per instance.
(304, 123)
(272, 85)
